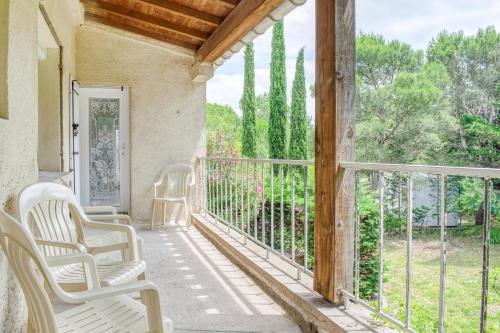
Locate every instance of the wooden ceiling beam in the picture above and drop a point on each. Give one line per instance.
(184, 11)
(148, 19)
(242, 19)
(139, 31)
(229, 3)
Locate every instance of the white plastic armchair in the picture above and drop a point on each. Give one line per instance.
(178, 180)
(52, 214)
(99, 306)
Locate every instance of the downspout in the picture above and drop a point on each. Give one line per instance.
(61, 72)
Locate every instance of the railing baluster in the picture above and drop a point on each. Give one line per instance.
(306, 221)
(272, 205)
(357, 235)
(263, 216)
(409, 247)
(236, 195)
(230, 222)
(486, 256)
(442, 266)
(293, 214)
(217, 184)
(248, 201)
(282, 215)
(381, 243)
(255, 200)
(242, 213)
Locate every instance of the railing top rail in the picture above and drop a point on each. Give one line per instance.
(267, 161)
(430, 169)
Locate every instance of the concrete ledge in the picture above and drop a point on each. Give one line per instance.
(278, 279)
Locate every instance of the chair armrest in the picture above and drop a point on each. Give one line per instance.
(86, 259)
(128, 230)
(99, 210)
(65, 245)
(155, 186)
(148, 290)
(114, 218)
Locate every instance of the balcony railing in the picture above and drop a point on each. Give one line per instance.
(267, 201)
(271, 202)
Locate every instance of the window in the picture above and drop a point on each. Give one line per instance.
(4, 20)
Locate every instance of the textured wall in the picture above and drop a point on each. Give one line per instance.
(65, 16)
(4, 19)
(167, 119)
(19, 134)
(48, 112)
(18, 137)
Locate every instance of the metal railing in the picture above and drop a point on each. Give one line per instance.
(260, 199)
(409, 171)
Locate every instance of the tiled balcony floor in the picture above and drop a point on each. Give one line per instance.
(201, 290)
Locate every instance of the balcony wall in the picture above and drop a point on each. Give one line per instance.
(167, 115)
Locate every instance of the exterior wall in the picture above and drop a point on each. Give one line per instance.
(167, 109)
(18, 137)
(19, 134)
(4, 19)
(65, 16)
(48, 112)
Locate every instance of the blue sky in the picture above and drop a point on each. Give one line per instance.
(414, 22)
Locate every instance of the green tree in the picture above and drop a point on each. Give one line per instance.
(262, 120)
(223, 131)
(248, 105)
(401, 106)
(298, 120)
(278, 109)
(473, 65)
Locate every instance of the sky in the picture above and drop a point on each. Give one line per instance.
(411, 21)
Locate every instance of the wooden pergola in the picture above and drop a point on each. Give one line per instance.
(209, 28)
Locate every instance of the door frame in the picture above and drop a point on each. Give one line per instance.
(123, 93)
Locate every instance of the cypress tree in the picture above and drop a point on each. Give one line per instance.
(298, 120)
(248, 105)
(278, 109)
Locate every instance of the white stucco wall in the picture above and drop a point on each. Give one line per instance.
(167, 116)
(48, 112)
(19, 134)
(4, 19)
(65, 16)
(18, 138)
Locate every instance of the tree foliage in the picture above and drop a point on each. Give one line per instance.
(278, 108)
(298, 118)
(223, 131)
(248, 106)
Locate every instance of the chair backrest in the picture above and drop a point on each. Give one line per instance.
(45, 209)
(178, 178)
(28, 264)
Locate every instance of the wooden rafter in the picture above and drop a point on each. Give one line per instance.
(184, 11)
(242, 19)
(228, 3)
(148, 19)
(140, 31)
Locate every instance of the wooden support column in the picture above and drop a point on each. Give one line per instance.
(335, 115)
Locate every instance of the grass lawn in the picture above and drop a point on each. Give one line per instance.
(463, 281)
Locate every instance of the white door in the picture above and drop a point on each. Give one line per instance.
(104, 147)
(75, 119)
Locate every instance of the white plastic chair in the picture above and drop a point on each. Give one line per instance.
(106, 309)
(178, 180)
(52, 214)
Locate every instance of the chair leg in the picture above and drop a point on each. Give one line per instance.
(164, 212)
(153, 217)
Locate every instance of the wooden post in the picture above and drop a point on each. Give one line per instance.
(335, 115)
